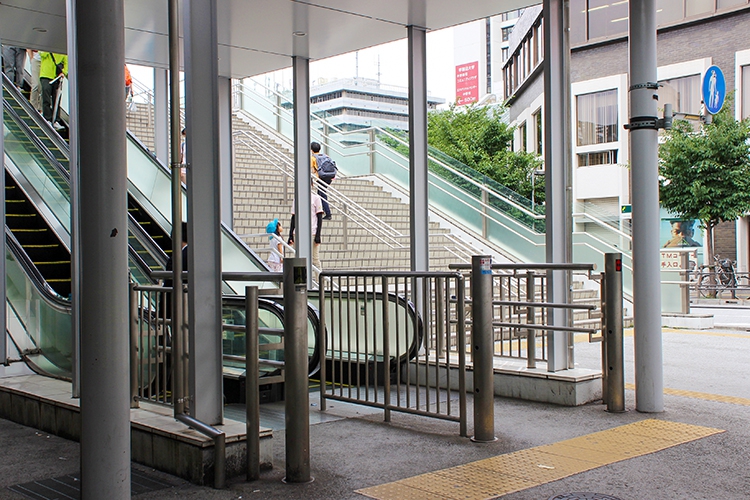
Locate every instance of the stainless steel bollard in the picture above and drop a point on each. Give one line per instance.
(297, 397)
(615, 379)
(530, 320)
(252, 391)
(482, 346)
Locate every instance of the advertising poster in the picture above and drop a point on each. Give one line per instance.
(682, 233)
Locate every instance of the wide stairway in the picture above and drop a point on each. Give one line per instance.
(369, 229)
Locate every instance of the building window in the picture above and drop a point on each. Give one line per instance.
(697, 7)
(669, 11)
(597, 118)
(745, 111)
(505, 53)
(506, 33)
(538, 132)
(607, 18)
(522, 136)
(724, 4)
(684, 94)
(597, 158)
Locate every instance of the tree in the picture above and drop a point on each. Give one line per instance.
(481, 139)
(705, 175)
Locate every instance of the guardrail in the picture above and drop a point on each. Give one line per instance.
(520, 308)
(391, 340)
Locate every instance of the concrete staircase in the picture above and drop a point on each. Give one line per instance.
(264, 191)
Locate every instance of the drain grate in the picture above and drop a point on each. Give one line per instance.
(583, 496)
(69, 487)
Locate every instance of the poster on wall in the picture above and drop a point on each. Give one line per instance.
(467, 83)
(682, 233)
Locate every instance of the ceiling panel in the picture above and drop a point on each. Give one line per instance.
(255, 36)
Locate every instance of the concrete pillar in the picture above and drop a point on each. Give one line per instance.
(105, 353)
(418, 187)
(75, 207)
(557, 152)
(649, 376)
(161, 115)
(225, 149)
(204, 211)
(302, 190)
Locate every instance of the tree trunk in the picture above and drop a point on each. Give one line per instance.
(708, 260)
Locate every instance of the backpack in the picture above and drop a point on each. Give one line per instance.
(326, 166)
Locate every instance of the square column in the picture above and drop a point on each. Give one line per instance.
(204, 211)
(226, 150)
(418, 187)
(161, 115)
(558, 192)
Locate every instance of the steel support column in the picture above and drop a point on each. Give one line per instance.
(204, 211)
(418, 188)
(649, 381)
(75, 207)
(3, 319)
(557, 151)
(161, 114)
(105, 350)
(302, 191)
(225, 149)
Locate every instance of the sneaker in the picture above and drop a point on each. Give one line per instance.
(327, 217)
(58, 127)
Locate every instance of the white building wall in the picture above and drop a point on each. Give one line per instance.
(470, 45)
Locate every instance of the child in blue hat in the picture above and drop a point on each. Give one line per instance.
(276, 257)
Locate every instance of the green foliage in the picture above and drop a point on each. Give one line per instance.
(706, 175)
(478, 137)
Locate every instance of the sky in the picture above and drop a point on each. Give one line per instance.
(389, 60)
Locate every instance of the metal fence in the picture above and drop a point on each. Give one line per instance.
(521, 308)
(392, 340)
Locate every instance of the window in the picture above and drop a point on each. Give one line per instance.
(522, 130)
(538, 132)
(506, 33)
(577, 22)
(607, 18)
(683, 93)
(669, 11)
(597, 158)
(745, 111)
(723, 4)
(696, 7)
(597, 117)
(505, 53)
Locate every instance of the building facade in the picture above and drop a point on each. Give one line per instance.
(692, 36)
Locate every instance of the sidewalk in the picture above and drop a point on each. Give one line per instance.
(358, 450)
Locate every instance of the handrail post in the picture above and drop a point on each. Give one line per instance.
(530, 320)
(252, 391)
(133, 346)
(685, 289)
(371, 148)
(613, 334)
(297, 400)
(482, 340)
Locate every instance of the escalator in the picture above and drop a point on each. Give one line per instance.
(36, 162)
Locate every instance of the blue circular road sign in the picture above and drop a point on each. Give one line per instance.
(714, 89)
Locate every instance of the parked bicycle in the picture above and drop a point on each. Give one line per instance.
(724, 278)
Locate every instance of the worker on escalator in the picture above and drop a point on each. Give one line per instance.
(51, 72)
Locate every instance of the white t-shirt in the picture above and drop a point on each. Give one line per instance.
(316, 207)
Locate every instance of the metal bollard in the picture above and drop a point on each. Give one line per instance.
(615, 379)
(252, 390)
(685, 275)
(297, 400)
(482, 346)
(530, 320)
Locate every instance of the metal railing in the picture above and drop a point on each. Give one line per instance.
(521, 309)
(391, 340)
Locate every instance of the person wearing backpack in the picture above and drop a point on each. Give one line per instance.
(326, 169)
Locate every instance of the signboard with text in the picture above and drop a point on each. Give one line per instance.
(467, 83)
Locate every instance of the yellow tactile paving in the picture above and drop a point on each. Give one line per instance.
(504, 474)
(701, 395)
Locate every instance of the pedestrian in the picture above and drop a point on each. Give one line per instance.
(52, 69)
(36, 87)
(325, 170)
(276, 257)
(316, 221)
(14, 59)
(128, 84)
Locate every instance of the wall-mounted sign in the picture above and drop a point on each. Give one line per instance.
(467, 83)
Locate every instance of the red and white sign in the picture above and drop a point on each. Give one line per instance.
(467, 83)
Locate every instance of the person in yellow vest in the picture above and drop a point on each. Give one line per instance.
(51, 70)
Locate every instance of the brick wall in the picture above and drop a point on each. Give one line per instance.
(725, 240)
